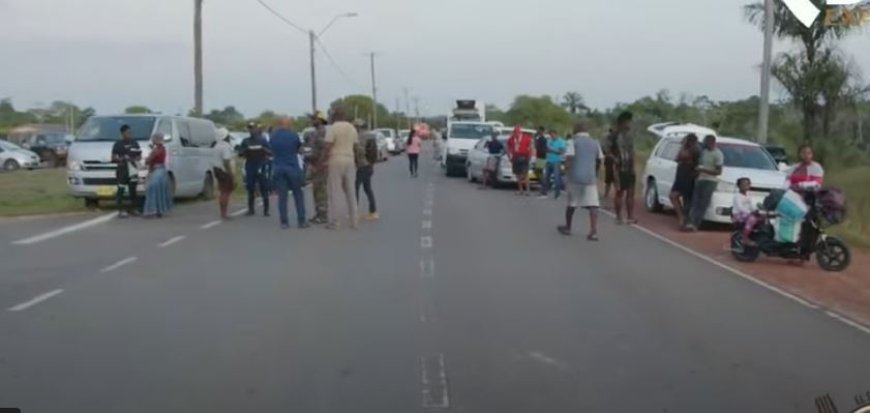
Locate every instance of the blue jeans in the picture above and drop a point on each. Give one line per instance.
(286, 180)
(553, 171)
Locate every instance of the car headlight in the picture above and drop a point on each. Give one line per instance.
(453, 151)
(74, 166)
(726, 187)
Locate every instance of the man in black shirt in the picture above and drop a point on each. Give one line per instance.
(541, 150)
(256, 151)
(620, 146)
(490, 170)
(125, 154)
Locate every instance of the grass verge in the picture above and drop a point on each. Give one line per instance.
(41, 191)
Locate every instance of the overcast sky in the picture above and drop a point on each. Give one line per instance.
(113, 53)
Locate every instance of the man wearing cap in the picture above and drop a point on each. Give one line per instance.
(256, 151)
(317, 165)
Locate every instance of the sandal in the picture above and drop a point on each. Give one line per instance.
(592, 237)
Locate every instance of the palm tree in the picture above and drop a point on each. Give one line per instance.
(573, 101)
(801, 74)
(197, 57)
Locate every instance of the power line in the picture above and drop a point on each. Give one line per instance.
(336, 65)
(284, 19)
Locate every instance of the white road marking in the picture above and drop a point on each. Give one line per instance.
(427, 224)
(119, 264)
(427, 268)
(35, 300)
(745, 276)
(426, 242)
(427, 211)
(239, 212)
(171, 241)
(211, 224)
(543, 358)
(66, 230)
(435, 393)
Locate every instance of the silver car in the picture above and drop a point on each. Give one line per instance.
(14, 157)
(189, 142)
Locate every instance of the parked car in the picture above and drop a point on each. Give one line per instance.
(394, 143)
(383, 153)
(13, 157)
(51, 147)
(478, 156)
(742, 159)
(189, 143)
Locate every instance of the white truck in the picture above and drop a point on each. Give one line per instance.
(466, 125)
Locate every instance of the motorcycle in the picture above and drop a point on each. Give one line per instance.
(831, 253)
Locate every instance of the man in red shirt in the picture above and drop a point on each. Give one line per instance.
(520, 151)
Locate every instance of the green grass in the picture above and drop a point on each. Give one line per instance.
(855, 183)
(42, 191)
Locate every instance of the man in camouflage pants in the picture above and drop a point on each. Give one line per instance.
(319, 172)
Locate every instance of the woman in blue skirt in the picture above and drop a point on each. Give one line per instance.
(158, 196)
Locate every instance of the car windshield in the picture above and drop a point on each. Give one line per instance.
(109, 128)
(470, 131)
(53, 138)
(776, 151)
(746, 156)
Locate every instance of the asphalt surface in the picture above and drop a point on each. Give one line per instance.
(458, 299)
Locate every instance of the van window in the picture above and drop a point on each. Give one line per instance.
(109, 128)
(672, 150)
(165, 128)
(202, 134)
(183, 132)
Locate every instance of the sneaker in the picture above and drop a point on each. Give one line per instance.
(250, 213)
(285, 226)
(318, 221)
(266, 214)
(374, 216)
(304, 225)
(564, 230)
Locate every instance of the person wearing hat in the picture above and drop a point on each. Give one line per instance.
(225, 173)
(256, 151)
(318, 167)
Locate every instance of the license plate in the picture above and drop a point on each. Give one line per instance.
(106, 191)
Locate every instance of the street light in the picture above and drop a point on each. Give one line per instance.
(312, 38)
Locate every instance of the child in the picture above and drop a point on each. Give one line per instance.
(744, 210)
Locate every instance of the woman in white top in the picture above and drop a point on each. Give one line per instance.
(225, 173)
(744, 211)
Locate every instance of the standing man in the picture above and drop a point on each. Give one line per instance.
(541, 142)
(255, 149)
(553, 170)
(621, 147)
(583, 157)
(366, 154)
(287, 172)
(319, 172)
(126, 153)
(224, 174)
(709, 169)
(608, 170)
(341, 138)
(495, 149)
(520, 151)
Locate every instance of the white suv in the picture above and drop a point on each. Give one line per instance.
(742, 159)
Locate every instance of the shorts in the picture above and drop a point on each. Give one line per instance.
(520, 165)
(608, 173)
(583, 196)
(627, 180)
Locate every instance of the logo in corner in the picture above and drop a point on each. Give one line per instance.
(807, 12)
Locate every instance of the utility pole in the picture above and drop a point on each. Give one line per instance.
(417, 108)
(407, 107)
(764, 110)
(374, 93)
(311, 39)
(398, 118)
(197, 57)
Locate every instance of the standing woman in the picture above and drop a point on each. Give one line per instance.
(684, 181)
(413, 148)
(158, 197)
(225, 173)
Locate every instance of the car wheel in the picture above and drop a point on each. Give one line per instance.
(11, 165)
(208, 189)
(651, 197)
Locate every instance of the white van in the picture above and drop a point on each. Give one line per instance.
(189, 142)
(461, 138)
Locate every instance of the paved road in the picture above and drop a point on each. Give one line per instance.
(459, 300)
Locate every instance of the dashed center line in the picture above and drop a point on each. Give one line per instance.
(425, 242)
(119, 264)
(433, 376)
(427, 211)
(239, 212)
(427, 268)
(211, 224)
(171, 241)
(427, 224)
(35, 300)
(66, 230)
